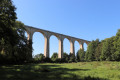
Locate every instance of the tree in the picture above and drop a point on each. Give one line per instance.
(54, 57)
(21, 48)
(8, 37)
(116, 43)
(65, 57)
(39, 57)
(81, 55)
(72, 58)
(107, 49)
(13, 43)
(7, 20)
(90, 53)
(98, 52)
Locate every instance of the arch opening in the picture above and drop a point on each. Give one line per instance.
(85, 46)
(26, 34)
(66, 46)
(77, 47)
(54, 44)
(38, 43)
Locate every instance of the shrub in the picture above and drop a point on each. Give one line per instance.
(81, 55)
(47, 60)
(72, 58)
(65, 57)
(39, 57)
(54, 57)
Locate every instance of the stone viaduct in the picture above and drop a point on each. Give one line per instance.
(47, 34)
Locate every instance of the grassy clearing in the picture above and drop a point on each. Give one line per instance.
(65, 71)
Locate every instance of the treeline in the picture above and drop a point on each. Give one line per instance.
(14, 47)
(106, 50)
(54, 58)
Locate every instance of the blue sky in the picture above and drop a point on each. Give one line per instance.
(86, 19)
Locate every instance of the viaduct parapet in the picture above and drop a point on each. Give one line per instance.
(47, 34)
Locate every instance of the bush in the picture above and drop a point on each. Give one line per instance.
(81, 55)
(54, 57)
(39, 57)
(72, 58)
(65, 57)
(47, 60)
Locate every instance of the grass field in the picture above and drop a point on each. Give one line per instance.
(64, 71)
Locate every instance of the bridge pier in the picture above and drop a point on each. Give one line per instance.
(60, 52)
(46, 46)
(81, 45)
(72, 48)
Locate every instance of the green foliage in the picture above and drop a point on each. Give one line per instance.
(65, 57)
(47, 60)
(90, 53)
(21, 47)
(72, 58)
(107, 49)
(98, 51)
(81, 55)
(8, 38)
(54, 57)
(116, 43)
(14, 47)
(39, 57)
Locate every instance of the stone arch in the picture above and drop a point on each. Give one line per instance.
(53, 34)
(68, 38)
(86, 43)
(85, 46)
(77, 46)
(26, 34)
(66, 43)
(38, 43)
(29, 31)
(53, 47)
(42, 32)
(81, 44)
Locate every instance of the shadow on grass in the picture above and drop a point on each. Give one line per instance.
(41, 72)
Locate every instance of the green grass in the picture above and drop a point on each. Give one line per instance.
(65, 71)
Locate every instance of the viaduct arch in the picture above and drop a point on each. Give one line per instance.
(47, 34)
